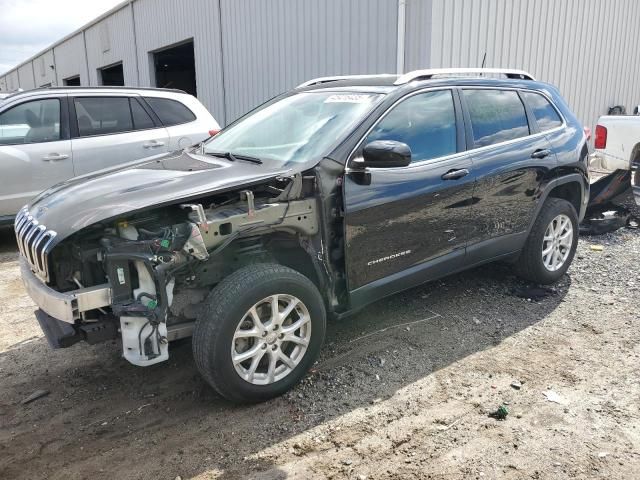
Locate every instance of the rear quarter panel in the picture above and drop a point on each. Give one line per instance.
(570, 146)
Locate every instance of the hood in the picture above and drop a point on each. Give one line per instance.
(82, 201)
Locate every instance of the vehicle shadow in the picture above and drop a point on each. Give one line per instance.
(163, 421)
(8, 246)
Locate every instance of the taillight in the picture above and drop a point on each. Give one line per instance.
(601, 137)
(214, 132)
(587, 133)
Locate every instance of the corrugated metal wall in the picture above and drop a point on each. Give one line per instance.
(162, 23)
(589, 49)
(12, 80)
(42, 69)
(417, 45)
(71, 60)
(25, 76)
(247, 51)
(270, 47)
(110, 41)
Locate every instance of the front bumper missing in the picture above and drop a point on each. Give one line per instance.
(66, 306)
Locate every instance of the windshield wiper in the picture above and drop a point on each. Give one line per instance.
(233, 157)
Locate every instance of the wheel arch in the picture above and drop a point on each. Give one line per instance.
(287, 250)
(569, 187)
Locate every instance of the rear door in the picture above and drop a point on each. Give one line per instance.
(512, 160)
(109, 130)
(35, 150)
(402, 220)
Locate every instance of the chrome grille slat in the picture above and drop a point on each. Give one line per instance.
(41, 229)
(34, 241)
(21, 232)
(28, 238)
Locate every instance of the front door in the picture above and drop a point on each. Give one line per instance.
(404, 220)
(35, 151)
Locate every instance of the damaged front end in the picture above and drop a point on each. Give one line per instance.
(142, 276)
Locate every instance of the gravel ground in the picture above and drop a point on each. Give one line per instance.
(403, 389)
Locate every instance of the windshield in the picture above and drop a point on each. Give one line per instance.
(295, 129)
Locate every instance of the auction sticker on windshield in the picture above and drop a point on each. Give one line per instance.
(348, 98)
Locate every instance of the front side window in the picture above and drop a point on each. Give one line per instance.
(31, 122)
(170, 112)
(496, 116)
(426, 122)
(103, 115)
(546, 116)
(297, 128)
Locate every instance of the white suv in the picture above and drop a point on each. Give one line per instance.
(50, 135)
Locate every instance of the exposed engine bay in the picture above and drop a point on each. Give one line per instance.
(160, 264)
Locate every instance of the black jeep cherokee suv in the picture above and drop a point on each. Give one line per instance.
(326, 198)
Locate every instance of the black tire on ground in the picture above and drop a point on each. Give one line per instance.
(530, 265)
(221, 314)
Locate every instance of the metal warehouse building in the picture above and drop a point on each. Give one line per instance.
(235, 54)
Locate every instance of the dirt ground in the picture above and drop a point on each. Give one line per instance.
(403, 389)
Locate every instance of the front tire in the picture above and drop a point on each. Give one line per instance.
(258, 332)
(551, 245)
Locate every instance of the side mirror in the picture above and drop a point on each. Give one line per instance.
(386, 154)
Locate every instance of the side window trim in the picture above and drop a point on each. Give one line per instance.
(64, 118)
(64, 114)
(468, 129)
(147, 108)
(73, 117)
(460, 122)
(458, 114)
(156, 123)
(531, 119)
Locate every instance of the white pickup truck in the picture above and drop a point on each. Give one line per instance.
(617, 146)
(617, 142)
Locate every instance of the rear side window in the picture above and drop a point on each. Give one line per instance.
(31, 122)
(546, 115)
(170, 112)
(426, 122)
(496, 116)
(141, 119)
(103, 115)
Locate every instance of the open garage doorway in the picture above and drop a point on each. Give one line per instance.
(112, 75)
(175, 67)
(72, 81)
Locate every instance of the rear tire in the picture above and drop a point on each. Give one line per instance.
(268, 313)
(550, 235)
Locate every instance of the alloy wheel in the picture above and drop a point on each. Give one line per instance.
(271, 339)
(557, 243)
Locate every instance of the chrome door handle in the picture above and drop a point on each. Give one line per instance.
(153, 144)
(541, 153)
(54, 157)
(455, 174)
